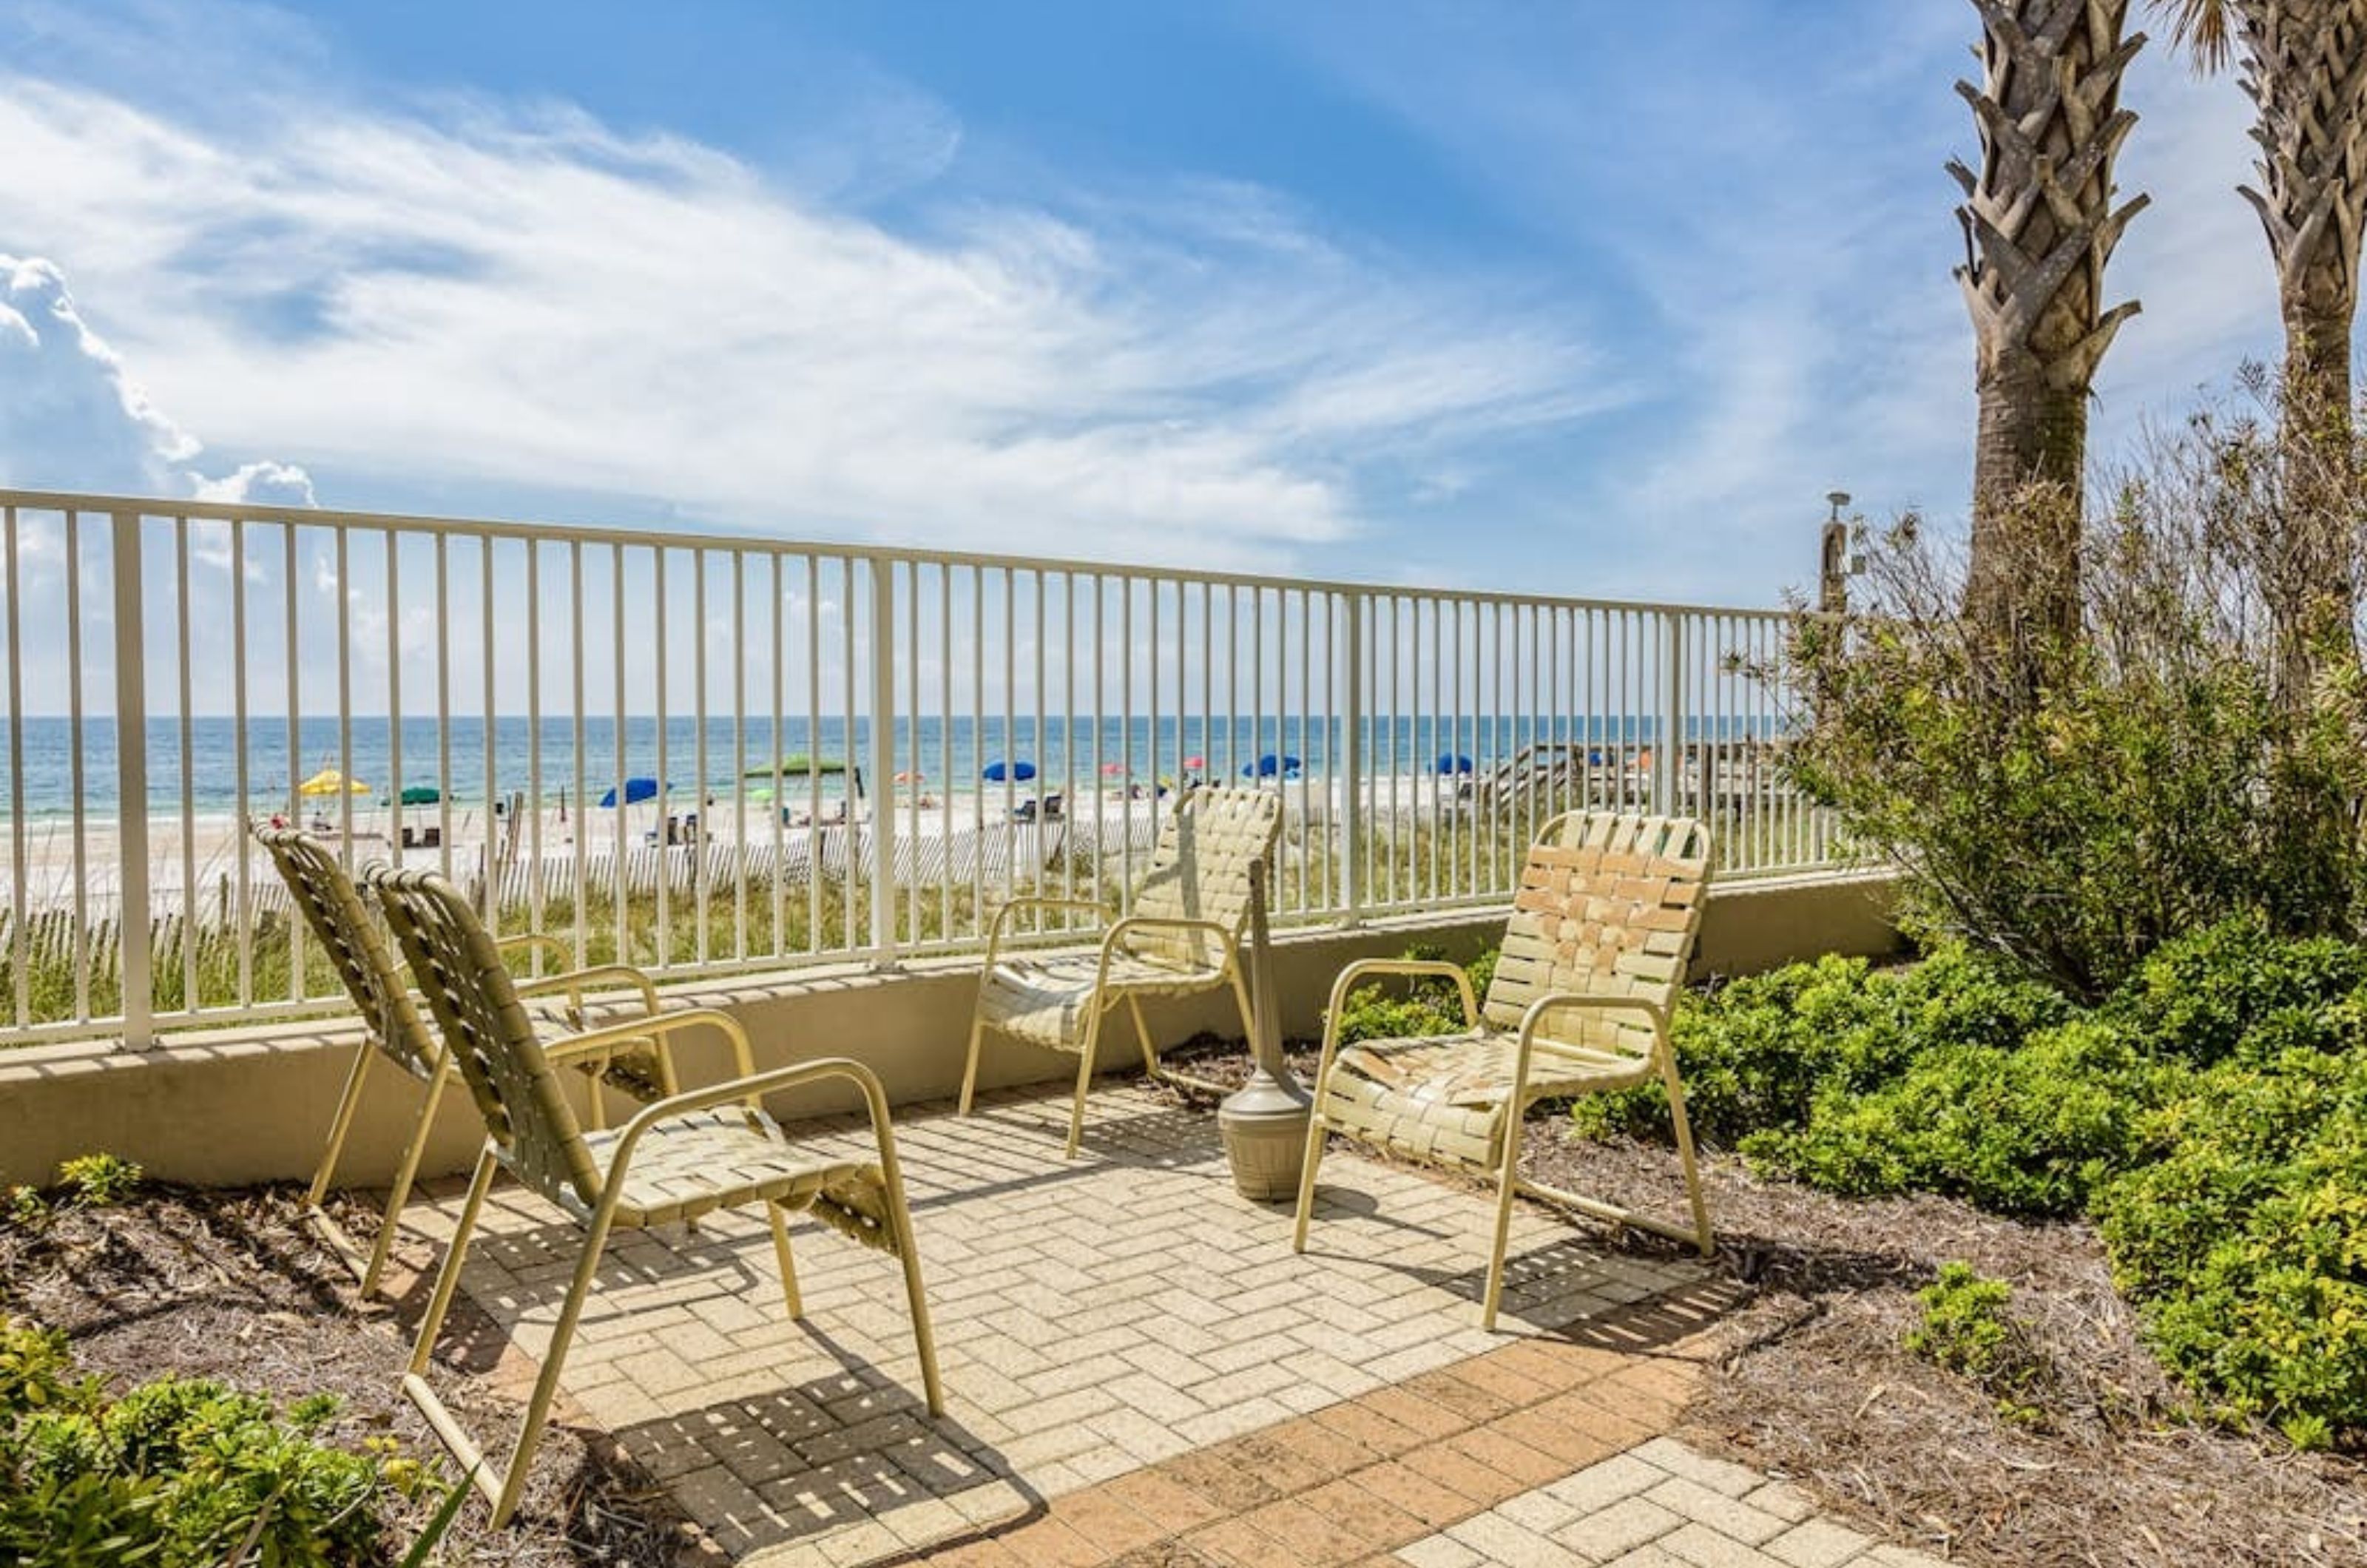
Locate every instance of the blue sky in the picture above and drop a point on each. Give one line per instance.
(1469, 294)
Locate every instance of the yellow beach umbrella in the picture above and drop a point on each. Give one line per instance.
(328, 781)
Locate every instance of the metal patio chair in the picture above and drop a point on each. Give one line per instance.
(680, 1157)
(348, 931)
(1601, 932)
(1183, 936)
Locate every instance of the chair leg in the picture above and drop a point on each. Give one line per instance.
(401, 1192)
(340, 1124)
(907, 1250)
(969, 1073)
(1084, 1082)
(1313, 1158)
(790, 1295)
(1142, 1033)
(546, 1387)
(1508, 1186)
(448, 1276)
(1692, 1168)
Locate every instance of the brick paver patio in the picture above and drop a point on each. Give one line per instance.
(1139, 1371)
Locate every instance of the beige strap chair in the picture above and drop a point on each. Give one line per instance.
(349, 933)
(681, 1158)
(1182, 936)
(1601, 928)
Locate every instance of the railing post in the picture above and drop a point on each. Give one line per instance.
(1669, 745)
(883, 763)
(131, 785)
(1352, 826)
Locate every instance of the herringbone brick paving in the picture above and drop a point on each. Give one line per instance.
(1139, 1369)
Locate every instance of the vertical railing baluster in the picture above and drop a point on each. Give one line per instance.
(132, 783)
(883, 763)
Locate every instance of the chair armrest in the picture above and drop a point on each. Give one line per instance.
(656, 1027)
(613, 976)
(1365, 969)
(1032, 901)
(1131, 923)
(535, 942)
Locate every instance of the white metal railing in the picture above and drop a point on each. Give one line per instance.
(811, 752)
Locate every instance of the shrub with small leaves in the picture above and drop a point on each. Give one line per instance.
(177, 1473)
(99, 1180)
(1965, 1329)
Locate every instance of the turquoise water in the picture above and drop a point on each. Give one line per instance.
(947, 754)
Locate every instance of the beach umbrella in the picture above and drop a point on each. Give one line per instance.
(1453, 762)
(1265, 767)
(420, 794)
(998, 771)
(1112, 770)
(328, 781)
(799, 763)
(635, 791)
(1195, 762)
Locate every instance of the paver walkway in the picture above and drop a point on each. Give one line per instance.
(1139, 1371)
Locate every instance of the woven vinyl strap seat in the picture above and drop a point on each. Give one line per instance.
(1440, 1099)
(349, 932)
(1181, 935)
(685, 1155)
(1595, 950)
(694, 1165)
(1046, 1001)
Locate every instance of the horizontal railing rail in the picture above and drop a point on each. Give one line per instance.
(710, 753)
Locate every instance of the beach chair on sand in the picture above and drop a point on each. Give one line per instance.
(680, 1157)
(1601, 932)
(1182, 935)
(333, 907)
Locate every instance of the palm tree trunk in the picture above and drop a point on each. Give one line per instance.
(2305, 64)
(2040, 225)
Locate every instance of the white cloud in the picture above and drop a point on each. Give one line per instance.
(72, 418)
(482, 298)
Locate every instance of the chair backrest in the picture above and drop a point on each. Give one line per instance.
(348, 931)
(486, 1028)
(1200, 870)
(1609, 905)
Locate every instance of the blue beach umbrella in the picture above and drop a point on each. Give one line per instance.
(1265, 767)
(635, 791)
(998, 771)
(1453, 762)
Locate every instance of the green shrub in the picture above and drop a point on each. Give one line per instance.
(1964, 1329)
(1759, 1053)
(2027, 1130)
(2198, 996)
(2245, 1245)
(99, 1180)
(178, 1472)
(36, 1370)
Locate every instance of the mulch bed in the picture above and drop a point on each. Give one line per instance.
(233, 1285)
(1811, 1381)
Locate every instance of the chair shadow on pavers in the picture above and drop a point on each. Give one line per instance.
(1561, 1285)
(834, 1468)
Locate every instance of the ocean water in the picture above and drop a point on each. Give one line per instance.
(473, 764)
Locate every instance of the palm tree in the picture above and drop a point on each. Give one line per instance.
(2039, 226)
(2304, 65)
